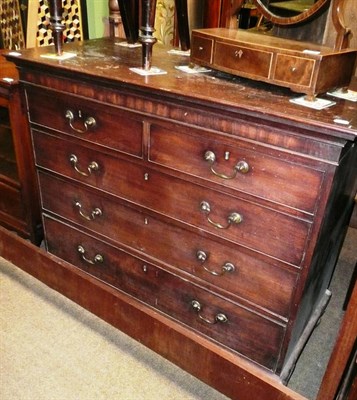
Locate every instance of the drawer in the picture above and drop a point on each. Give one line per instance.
(109, 264)
(244, 331)
(228, 323)
(87, 120)
(267, 177)
(246, 223)
(201, 49)
(294, 70)
(252, 278)
(242, 59)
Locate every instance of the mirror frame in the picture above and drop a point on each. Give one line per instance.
(290, 20)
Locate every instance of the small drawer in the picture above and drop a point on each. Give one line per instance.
(105, 262)
(86, 120)
(201, 49)
(236, 167)
(233, 269)
(238, 328)
(242, 59)
(294, 70)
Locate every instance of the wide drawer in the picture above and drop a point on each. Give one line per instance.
(238, 328)
(246, 223)
(267, 177)
(232, 269)
(87, 120)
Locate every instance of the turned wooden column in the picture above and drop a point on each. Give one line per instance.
(148, 9)
(115, 20)
(56, 11)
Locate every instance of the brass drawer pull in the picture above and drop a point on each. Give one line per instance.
(89, 122)
(97, 212)
(98, 258)
(227, 267)
(241, 166)
(233, 218)
(93, 166)
(220, 317)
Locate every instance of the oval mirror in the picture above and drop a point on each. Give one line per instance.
(289, 12)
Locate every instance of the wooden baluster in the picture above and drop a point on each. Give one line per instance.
(147, 29)
(57, 27)
(115, 21)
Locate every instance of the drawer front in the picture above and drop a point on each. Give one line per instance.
(294, 70)
(238, 328)
(242, 59)
(88, 121)
(229, 268)
(225, 216)
(265, 178)
(201, 49)
(244, 331)
(109, 264)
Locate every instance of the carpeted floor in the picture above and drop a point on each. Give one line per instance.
(52, 349)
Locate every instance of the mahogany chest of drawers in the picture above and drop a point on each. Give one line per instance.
(213, 203)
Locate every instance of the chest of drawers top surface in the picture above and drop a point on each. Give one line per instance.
(103, 61)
